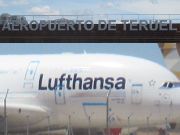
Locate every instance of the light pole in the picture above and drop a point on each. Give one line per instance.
(70, 130)
(48, 125)
(147, 119)
(27, 128)
(89, 129)
(5, 114)
(107, 111)
(129, 123)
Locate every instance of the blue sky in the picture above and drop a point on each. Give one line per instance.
(149, 51)
(89, 6)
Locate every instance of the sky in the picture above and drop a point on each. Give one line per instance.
(87, 7)
(59, 7)
(148, 51)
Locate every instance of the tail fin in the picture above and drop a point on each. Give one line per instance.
(171, 54)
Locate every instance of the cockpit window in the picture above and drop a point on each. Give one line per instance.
(165, 85)
(169, 85)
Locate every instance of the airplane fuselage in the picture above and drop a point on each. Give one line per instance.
(70, 89)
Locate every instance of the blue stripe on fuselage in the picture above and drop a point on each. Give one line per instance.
(94, 104)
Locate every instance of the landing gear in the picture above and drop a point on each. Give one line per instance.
(172, 125)
(163, 132)
(132, 134)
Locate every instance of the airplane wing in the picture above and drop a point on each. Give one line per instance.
(21, 113)
(171, 54)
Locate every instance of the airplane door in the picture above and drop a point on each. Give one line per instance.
(30, 74)
(59, 96)
(136, 93)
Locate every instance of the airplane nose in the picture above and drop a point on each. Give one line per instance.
(175, 97)
(171, 92)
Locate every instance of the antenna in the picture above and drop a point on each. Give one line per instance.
(84, 51)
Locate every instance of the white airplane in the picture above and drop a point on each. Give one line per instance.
(71, 90)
